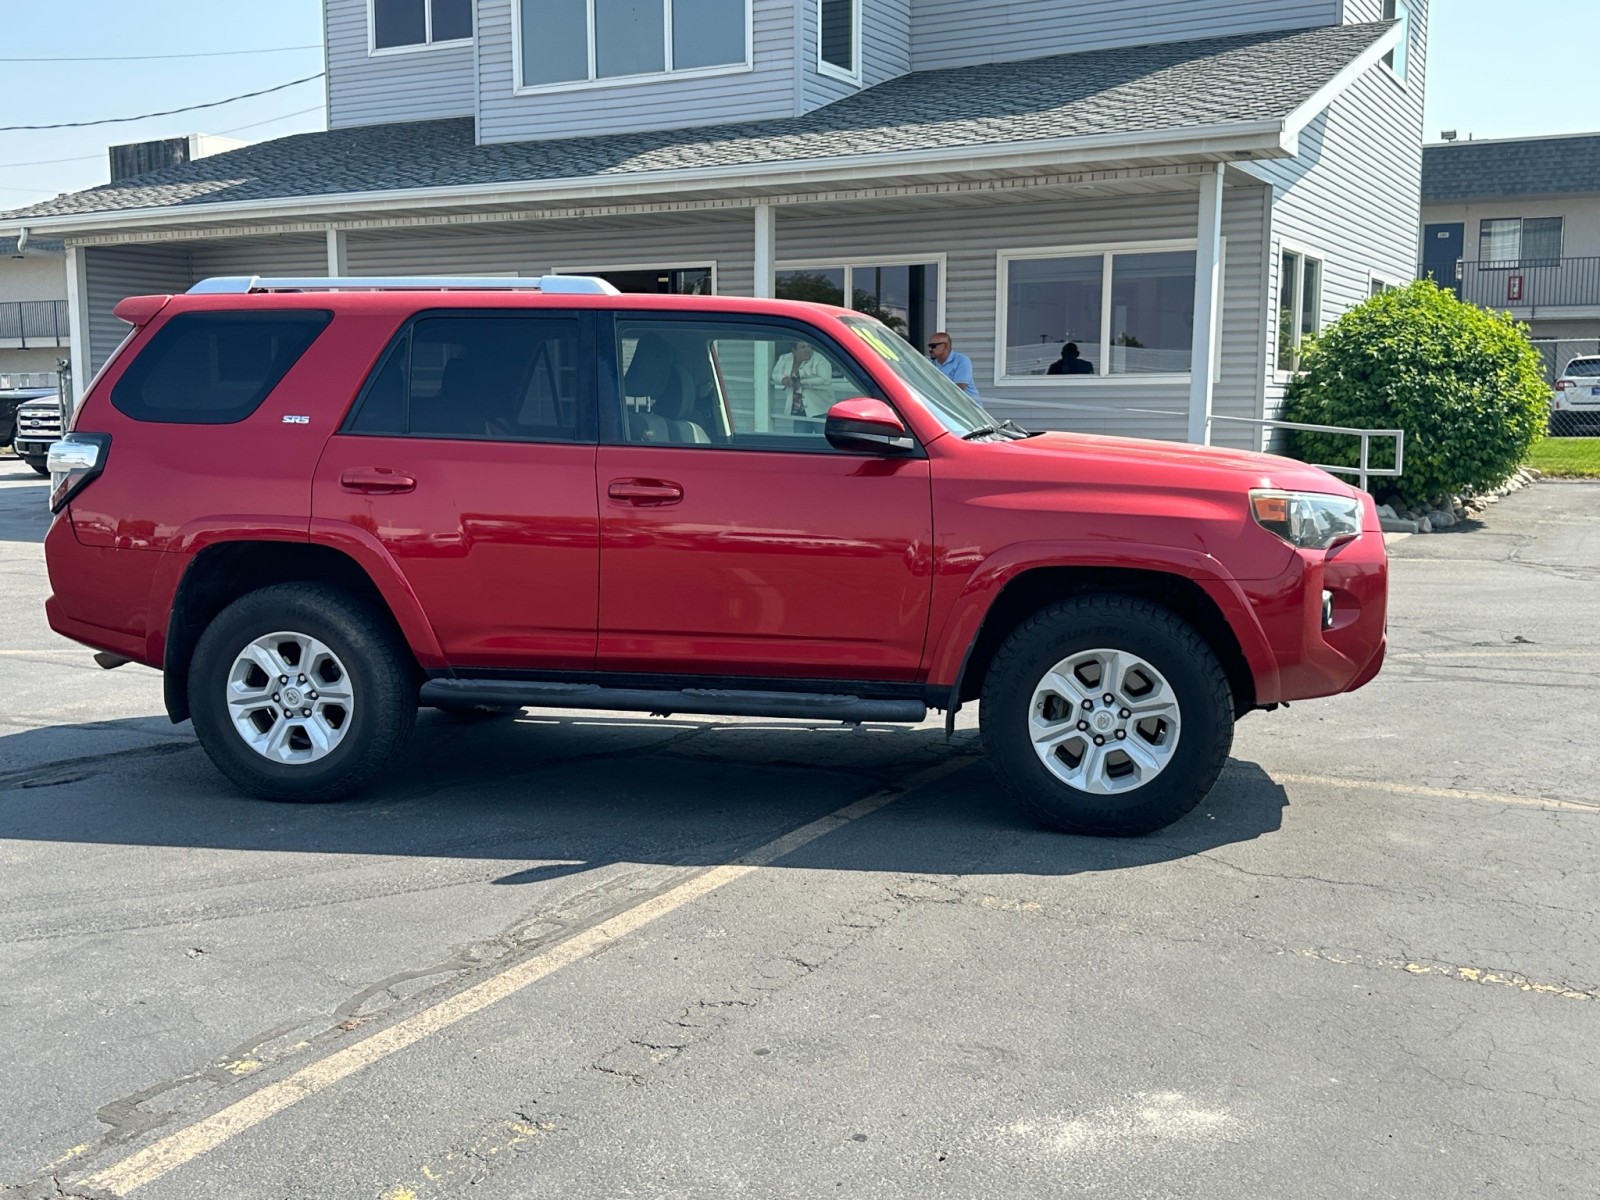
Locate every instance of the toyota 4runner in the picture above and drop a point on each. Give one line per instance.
(318, 504)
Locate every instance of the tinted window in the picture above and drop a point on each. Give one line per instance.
(214, 368)
(714, 383)
(503, 377)
(1584, 368)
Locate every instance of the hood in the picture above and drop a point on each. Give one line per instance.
(1192, 465)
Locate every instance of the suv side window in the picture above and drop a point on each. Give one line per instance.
(215, 368)
(497, 376)
(729, 383)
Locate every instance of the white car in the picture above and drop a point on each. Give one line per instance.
(1575, 408)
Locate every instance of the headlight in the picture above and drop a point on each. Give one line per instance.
(1310, 520)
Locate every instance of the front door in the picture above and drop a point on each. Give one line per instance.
(1441, 253)
(735, 541)
(470, 458)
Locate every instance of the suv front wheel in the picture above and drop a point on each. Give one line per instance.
(301, 692)
(1107, 715)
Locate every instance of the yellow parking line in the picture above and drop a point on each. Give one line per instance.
(1411, 789)
(207, 1134)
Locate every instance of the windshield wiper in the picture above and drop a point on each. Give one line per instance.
(1015, 430)
(980, 431)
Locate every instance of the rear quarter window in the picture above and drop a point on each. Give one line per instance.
(214, 368)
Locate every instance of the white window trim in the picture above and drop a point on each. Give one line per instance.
(1374, 279)
(518, 88)
(1279, 373)
(703, 265)
(1386, 62)
(420, 47)
(1104, 251)
(827, 68)
(880, 260)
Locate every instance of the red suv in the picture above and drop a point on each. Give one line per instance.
(318, 504)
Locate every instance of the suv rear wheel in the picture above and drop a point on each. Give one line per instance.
(301, 692)
(1107, 715)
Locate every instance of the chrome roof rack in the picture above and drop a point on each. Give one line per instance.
(554, 285)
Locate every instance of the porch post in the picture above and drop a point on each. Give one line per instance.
(78, 317)
(766, 259)
(1207, 284)
(338, 253)
(766, 284)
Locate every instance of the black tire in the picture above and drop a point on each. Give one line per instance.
(1158, 636)
(40, 465)
(382, 677)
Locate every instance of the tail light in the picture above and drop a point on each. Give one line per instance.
(74, 462)
(1563, 384)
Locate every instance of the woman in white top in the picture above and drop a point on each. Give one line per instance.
(805, 381)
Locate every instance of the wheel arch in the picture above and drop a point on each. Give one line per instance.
(1033, 589)
(223, 572)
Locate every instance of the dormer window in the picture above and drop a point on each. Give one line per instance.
(839, 39)
(417, 24)
(567, 43)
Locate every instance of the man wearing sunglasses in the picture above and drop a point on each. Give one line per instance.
(953, 363)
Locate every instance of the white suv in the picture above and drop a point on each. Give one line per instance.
(1575, 408)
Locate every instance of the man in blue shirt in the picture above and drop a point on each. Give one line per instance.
(953, 363)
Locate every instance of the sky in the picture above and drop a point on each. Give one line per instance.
(1487, 77)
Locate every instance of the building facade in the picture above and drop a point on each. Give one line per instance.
(1182, 188)
(1514, 224)
(34, 322)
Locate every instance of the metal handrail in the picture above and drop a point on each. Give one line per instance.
(1363, 472)
(555, 285)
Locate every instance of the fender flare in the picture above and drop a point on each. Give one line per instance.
(951, 652)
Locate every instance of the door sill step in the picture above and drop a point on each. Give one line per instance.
(709, 702)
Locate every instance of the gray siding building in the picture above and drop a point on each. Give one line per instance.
(1182, 190)
(1514, 224)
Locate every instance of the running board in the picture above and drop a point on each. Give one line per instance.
(710, 702)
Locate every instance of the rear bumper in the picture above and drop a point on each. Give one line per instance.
(99, 595)
(1313, 660)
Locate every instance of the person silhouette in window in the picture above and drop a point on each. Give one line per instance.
(1071, 362)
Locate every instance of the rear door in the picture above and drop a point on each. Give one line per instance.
(735, 541)
(470, 458)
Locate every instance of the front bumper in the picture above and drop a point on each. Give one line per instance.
(1347, 654)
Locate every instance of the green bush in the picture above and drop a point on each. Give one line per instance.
(1464, 384)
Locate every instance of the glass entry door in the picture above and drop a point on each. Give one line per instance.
(666, 281)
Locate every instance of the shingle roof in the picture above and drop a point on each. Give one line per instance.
(1154, 89)
(1543, 166)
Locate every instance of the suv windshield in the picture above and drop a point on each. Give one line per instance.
(953, 407)
(1584, 368)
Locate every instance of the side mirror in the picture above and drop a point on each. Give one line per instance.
(869, 425)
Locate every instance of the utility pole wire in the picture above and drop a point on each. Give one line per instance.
(160, 57)
(50, 162)
(165, 113)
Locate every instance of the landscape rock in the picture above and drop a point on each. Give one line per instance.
(1387, 512)
(1424, 525)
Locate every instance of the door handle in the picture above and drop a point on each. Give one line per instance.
(377, 480)
(645, 493)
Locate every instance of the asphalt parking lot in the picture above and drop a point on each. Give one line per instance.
(580, 956)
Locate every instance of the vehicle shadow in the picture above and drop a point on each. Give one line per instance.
(551, 795)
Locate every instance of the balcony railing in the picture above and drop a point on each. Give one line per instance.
(34, 323)
(1541, 283)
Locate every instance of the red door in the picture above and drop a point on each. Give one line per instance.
(736, 541)
(470, 462)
